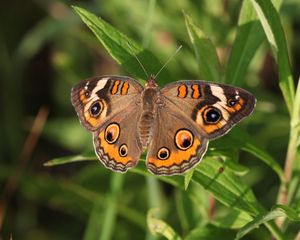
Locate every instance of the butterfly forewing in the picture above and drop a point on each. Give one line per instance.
(215, 108)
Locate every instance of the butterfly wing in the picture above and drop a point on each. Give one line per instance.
(176, 145)
(215, 108)
(109, 107)
(192, 113)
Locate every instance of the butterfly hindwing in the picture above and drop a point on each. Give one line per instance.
(177, 144)
(117, 144)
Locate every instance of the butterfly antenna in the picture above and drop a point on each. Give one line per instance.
(170, 58)
(144, 69)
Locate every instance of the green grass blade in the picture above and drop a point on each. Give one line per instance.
(264, 156)
(116, 43)
(210, 233)
(159, 227)
(226, 186)
(276, 212)
(242, 140)
(248, 38)
(70, 159)
(270, 21)
(295, 120)
(233, 220)
(206, 55)
(95, 221)
(110, 214)
(187, 178)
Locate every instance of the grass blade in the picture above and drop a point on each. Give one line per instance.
(210, 232)
(116, 43)
(276, 212)
(110, 214)
(248, 38)
(206, 55)
(70, 159)
(272, 26)
(225, 186)
(159, 227)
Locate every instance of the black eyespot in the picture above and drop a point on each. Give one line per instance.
(163, 153)
(232, 102)
(212, 115)
(186, 143)
(109, 136)
(123, 150)
(95, 109)
(87, 93)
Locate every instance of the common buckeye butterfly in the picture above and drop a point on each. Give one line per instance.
(174, 123)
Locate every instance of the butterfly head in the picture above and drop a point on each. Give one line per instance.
(151, 83)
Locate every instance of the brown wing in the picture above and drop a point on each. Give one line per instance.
(215, 108)
(109, 107)
(99, 98)
(117, 143)
(176, 145)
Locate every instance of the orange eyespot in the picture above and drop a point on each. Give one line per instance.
(96, 108)
(163, 153)
(123, 150)
(112, 133)
(184, 139)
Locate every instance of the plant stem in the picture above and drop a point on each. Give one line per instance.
(112, 203)
(291, 155)
(276, 233)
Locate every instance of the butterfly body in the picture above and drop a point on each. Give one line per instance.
(174, 123)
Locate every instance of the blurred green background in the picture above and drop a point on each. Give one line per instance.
(45, 49)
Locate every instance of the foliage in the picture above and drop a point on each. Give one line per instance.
(246, 187)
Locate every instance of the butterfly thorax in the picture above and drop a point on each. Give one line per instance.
(150, 99)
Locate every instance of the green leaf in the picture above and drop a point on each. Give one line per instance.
(249, 37)
(240, 139)
(187, 178)
(225, 186)
(272, 26)
(91, 156)
(206, 55)
(159, 227)
(276, 212)
(95, 220)
(122, 48)
(252, 148)
(210, 233)
(233, 220)
(108, 227)
(238, 169)
(295, 119)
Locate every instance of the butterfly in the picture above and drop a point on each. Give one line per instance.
(174, 123)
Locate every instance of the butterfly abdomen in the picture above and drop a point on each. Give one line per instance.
(145, 127)
(149, 97)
